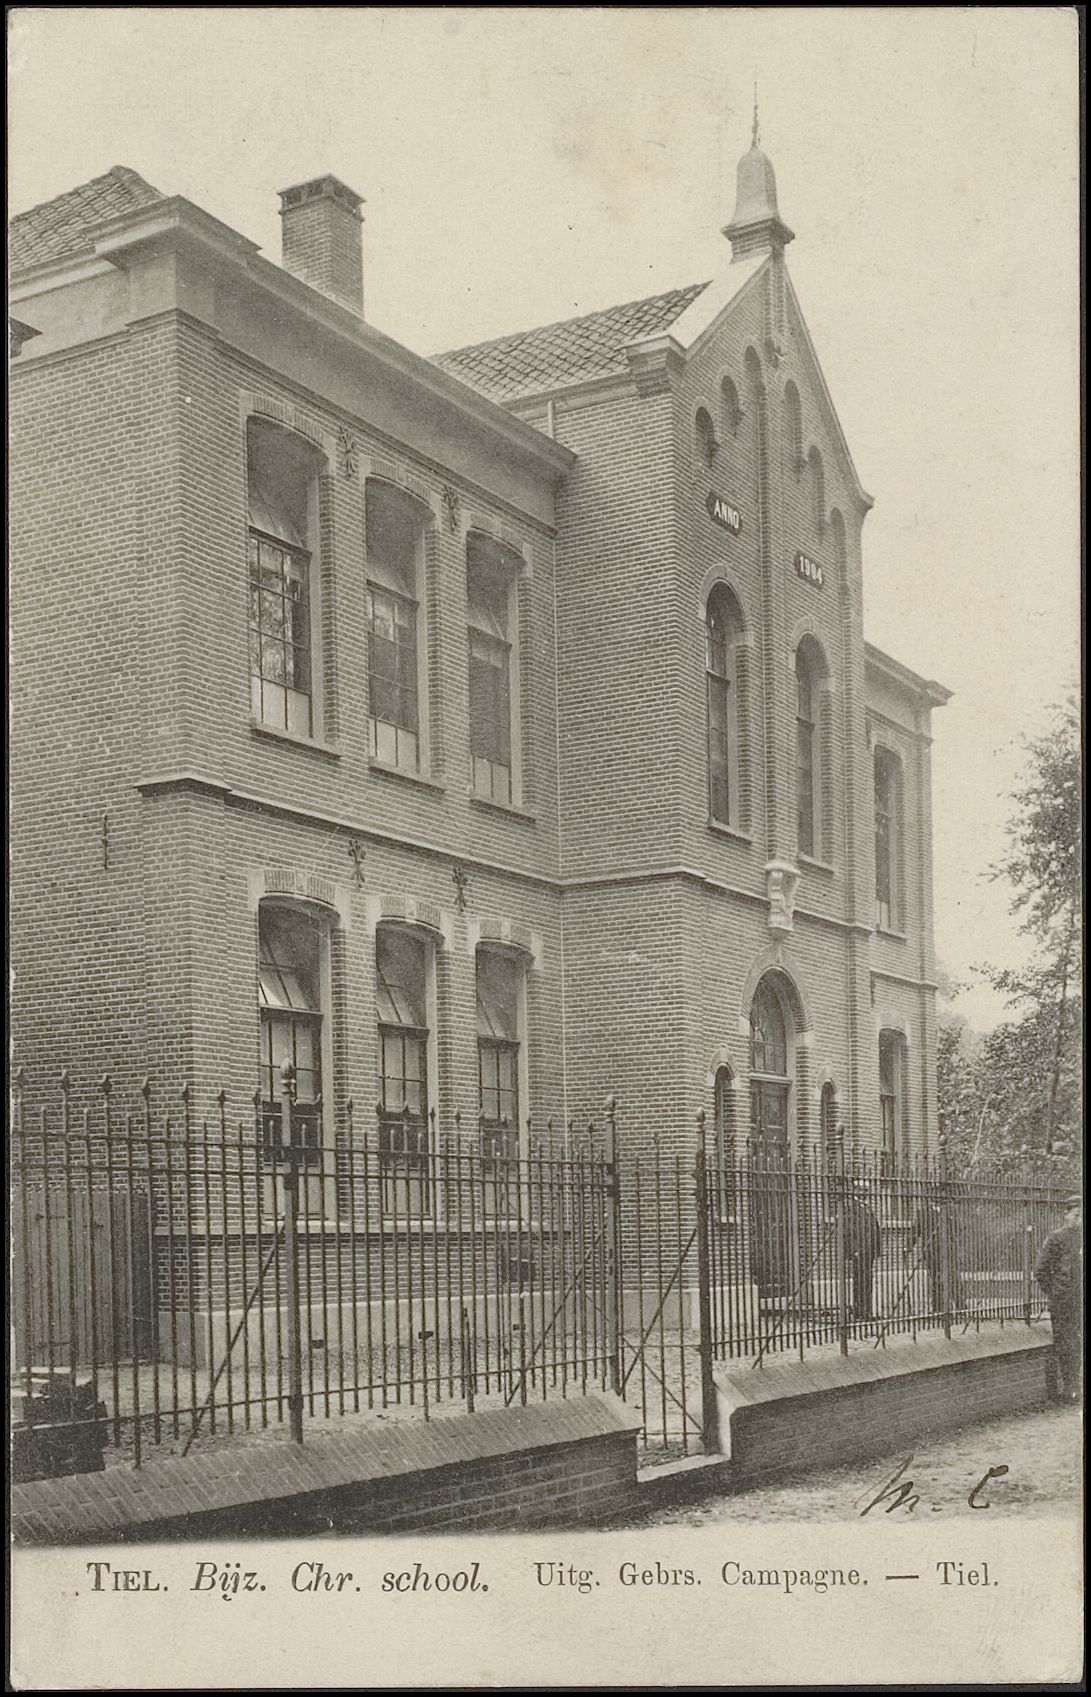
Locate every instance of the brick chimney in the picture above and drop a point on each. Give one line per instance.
(321, 240)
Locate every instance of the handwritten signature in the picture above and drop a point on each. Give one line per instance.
(897, 1491)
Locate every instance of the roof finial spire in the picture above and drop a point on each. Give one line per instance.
(756, 226)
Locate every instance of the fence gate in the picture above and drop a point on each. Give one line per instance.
(82, 1275)
(664, 1315)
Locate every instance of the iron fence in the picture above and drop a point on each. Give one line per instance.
(841, 1248)
(182, 1279)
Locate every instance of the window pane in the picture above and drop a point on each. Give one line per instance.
(299, 713)
(498, 978)
(768, 1038)
(272, 660)
(401, 964)
(280, 636)
(274, 704)
(289, 1000)
(288, 954)
(395, 539)
(490, 574)
(886, 832)
(271, 509)
(392, 663)
(490, 701)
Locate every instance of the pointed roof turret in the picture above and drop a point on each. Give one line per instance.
(756, 225)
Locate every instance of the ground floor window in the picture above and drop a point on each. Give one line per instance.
(290, 1005)
(499, 995)
(402, 966)
(892, 1070)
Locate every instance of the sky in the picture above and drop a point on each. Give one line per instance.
(525, 165)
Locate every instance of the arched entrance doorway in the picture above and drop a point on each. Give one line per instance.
(774, 1251)
(770, 1059)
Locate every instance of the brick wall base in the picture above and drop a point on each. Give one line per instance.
(789, 1417)
(556, 1464)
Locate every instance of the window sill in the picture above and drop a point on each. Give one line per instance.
(731, 831)
(407, 777)
(891, 931)
(276, 734)
(813, 864)
(507, 807)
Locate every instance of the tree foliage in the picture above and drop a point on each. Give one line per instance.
(1042, 864)
(1013, 1098)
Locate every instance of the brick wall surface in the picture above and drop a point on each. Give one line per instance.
(560, 1464)
(790, 1418)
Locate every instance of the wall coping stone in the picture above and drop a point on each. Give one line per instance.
(98, 1505)
(743, 1386)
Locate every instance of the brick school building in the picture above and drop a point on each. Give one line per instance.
(483, 734)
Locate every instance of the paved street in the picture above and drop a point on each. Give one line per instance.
(1042, 1452)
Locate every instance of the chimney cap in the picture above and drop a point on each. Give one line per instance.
(326, 187)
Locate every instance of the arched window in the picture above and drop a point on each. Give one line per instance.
(827, 1116)
(724, 672)
(811, 738)
(291, 974)
(770, 1083)
(888, 840)
(404, 966)
(397, 665)
(793, 420)
(499, 1042)
(893, 1118)
(730, 408)
(704, 438)
(493, 624)
(840, 544)
(282, 488)
(724, 1107)
(818, 490)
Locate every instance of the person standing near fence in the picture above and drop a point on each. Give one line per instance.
(1060, 1274)
(862, 1239)
(934, 1230)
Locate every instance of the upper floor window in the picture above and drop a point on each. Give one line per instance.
(810, 750)
(403, 963)
(492, 620)
(704, 438)
(396, 526)
(892, 1094)
(729, 406)
(818, 490)
(723, 677)
(499, 1023)
(888, 839)
(793, 420)
(282, 473)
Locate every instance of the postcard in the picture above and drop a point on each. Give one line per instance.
(545, 803)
